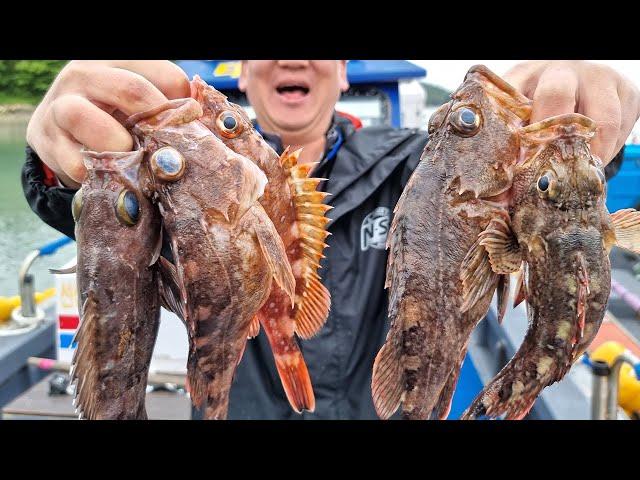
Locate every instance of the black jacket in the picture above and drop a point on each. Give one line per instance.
(366, 178)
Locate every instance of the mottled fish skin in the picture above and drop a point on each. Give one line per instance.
(449, 200)
(278, 317)
(226, 250)
(118, 297)
(562, 232)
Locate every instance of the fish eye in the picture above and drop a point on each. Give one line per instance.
(76, 205)
(543, 183)
(128, 208)
(465, 121)
(229, 124)
(168, 164)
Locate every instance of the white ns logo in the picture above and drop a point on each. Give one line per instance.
(374, 230)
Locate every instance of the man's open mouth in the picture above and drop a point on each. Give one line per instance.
(293, 91)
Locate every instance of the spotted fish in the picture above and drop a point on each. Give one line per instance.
(118, 239)
(226, 251)
(560, 228)
(298, 213)
(456, 190)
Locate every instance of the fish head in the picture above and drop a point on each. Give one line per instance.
(190, 168)
(478, 129)
(559, 188)
(231, 124)
(112, 214)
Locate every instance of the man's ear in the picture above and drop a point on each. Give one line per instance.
(342, 75)
(242, 80)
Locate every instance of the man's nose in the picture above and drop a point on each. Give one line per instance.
(293, 64)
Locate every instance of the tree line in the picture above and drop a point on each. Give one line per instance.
(26, 81)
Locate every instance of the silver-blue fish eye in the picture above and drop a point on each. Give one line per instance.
(168, 163)
(468, 117)
(466, 121)
(229, 122)
(128, 208)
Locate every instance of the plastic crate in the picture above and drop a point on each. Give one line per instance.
(623, 190)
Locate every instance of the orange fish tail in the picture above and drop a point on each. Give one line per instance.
(296, 381)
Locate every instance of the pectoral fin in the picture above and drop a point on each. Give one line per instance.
(504, 284)
(172, 292)
(254, 327)
(274, 253)
(626, 224)
(521, 288)
(496, 252)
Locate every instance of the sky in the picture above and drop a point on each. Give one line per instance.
(450, 73)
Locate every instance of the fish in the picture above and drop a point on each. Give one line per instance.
(226, 251)
(561, 229)
(457, 189)
(118, 243)
(296, 208)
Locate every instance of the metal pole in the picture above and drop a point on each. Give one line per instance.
(600, 388)
(26, 286)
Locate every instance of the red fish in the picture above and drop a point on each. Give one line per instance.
(296, 209)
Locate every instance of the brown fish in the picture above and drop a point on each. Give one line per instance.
(118, 237)
(455, 191)
(296, 209)
(225, 248)
(561, 229)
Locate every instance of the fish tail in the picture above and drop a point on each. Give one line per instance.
(275, 317)
(295, 380)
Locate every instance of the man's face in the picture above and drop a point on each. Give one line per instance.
(292, 95)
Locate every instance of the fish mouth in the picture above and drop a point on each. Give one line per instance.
(293, 91)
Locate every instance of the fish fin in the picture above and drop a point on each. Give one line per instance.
(502, 246)
(504, 285)
(387, 381)
(254, 328)
(496, 251)
(83, 368)
(295, 379)
(198, 382)
(626, 224)
(158, 247)
(172, 291)
(443, 407)
(63, 271)
(274, 253)
(314, 301)
(521, 288)
(477, 276)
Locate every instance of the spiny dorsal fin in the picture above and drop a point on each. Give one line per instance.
(312, 306)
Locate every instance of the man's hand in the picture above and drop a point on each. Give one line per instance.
(82, 104)
(592, 89)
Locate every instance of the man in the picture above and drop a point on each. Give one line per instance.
(366, 168)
